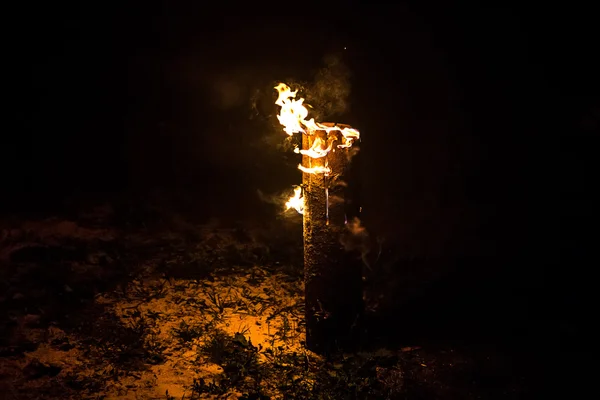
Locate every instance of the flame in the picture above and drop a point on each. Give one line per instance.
(296, 201)
(293, 116)
(314, 170)
(292, 111)
(318, 149)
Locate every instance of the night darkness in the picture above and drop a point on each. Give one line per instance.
(478, 127)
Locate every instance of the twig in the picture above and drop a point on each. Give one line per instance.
(137, 305)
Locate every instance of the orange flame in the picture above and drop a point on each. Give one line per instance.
(293, 116)
(314, 170)
(296, 201)
(292, 111)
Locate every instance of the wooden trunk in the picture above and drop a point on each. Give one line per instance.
(333, 279)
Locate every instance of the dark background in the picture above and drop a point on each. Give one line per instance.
(479, 126)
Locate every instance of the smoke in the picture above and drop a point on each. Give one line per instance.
(357, 239)
(352, 152)
(275, 199)
(328, 94)
(227, 92)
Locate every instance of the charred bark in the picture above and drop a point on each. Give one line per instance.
(333, 279)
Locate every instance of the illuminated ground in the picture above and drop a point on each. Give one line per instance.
(105, 310)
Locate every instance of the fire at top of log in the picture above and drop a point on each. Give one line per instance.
(293, 116)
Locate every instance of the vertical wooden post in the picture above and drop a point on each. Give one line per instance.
(333, 280)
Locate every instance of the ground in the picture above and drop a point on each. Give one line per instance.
(106, 304)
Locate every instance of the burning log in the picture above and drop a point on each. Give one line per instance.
(333, 289)
(332, 278)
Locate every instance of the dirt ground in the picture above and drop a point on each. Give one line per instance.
(103, 307)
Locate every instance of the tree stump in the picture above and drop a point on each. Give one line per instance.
(332, 275)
